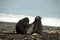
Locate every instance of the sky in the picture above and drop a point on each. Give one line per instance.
(49, 10)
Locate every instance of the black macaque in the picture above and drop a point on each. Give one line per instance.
(36, 25)
(22, 26)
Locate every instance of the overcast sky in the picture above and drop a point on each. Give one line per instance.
(44, 8)
(14, 10)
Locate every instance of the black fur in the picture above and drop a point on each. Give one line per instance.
(22, 25)
(37, 28)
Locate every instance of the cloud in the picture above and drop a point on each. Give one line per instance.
(16, 18)
(51, 21)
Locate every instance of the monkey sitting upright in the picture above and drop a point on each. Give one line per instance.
(36, 26)
(22, 26)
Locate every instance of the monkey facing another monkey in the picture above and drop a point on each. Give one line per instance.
(23, 26)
